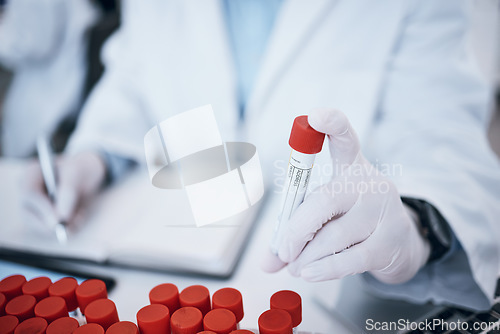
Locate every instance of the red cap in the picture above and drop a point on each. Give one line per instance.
(187, 320)
(304, 138)
(65, 325)
(242, 331)
(221, 321)
(89, 291)
(275, 322)
(51, 308)
(102, 312)
(65, 288)
(206, 332)
(197, 296)
(3, 301)
(21, 307)
(229, 299)
(7, 324)
(11, 286)
(166, 294)
(153, 319)
(32, 326)
(289, 301)
(89, 329)
(122, 327)
(37, 287)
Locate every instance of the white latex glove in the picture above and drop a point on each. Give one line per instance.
(355, 223)
(78, 178)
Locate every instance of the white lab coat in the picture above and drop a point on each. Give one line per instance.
(44, 43)
(399, 69)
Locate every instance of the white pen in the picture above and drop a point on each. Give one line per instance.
(48, 167)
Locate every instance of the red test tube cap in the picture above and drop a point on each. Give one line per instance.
(186, 320)
(65, 288)
(289, 301)
(37, 287)
(230, 299)
(90, 290)
(7, 324)
(51, 308)
(196, 296)
(275, 322)
(65, 325)
(206, 332)
(304, 138)
(3, 301)
(102, 312)
(122, 327)
(166, 294)
(221, 321)
(32, 326)
(89, 329)
(153, 319)
(242, 331)
(21, 307)
(12, 286)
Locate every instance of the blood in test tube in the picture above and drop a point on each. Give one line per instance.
(32, 326)
(221, 321)
(3, 301)
(51, 308)
(291, 302)
(166, 294)
(8, 324)
(89, 329)
(90, 290)
(37, 287)
(229, 299)
(102, 312)
(186, 320)
(242, 331)
(65, 325)
(275, 322)
(65, 288)
(196, 296)
(12, 286)
(21, 307)
(123, 327)
(154, 319)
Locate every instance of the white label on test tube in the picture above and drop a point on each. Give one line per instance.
(305, 143)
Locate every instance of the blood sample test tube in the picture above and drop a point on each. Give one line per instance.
(154, 319)
(220, 321)
(242, 331)
(186, 320)
(32, 326)
(89, 329)
(275, 322)
(51, 308)
(123, 327)
(102, 312)
(3, 301)
(21, 307)
(64, 325)
(291, 302)
(196, 296)
(37, 287)
(166, 294)
(65, 288)
(8, 324)
(12, 286)
(305, 143)
(90, 290)
(229, 299)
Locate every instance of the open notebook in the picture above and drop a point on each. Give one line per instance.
(132, 224)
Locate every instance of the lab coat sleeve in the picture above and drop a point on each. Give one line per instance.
(430, 129)
(114, 118)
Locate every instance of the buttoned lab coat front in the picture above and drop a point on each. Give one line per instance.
(400, 70)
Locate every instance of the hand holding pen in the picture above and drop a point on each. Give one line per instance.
(56, 190)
